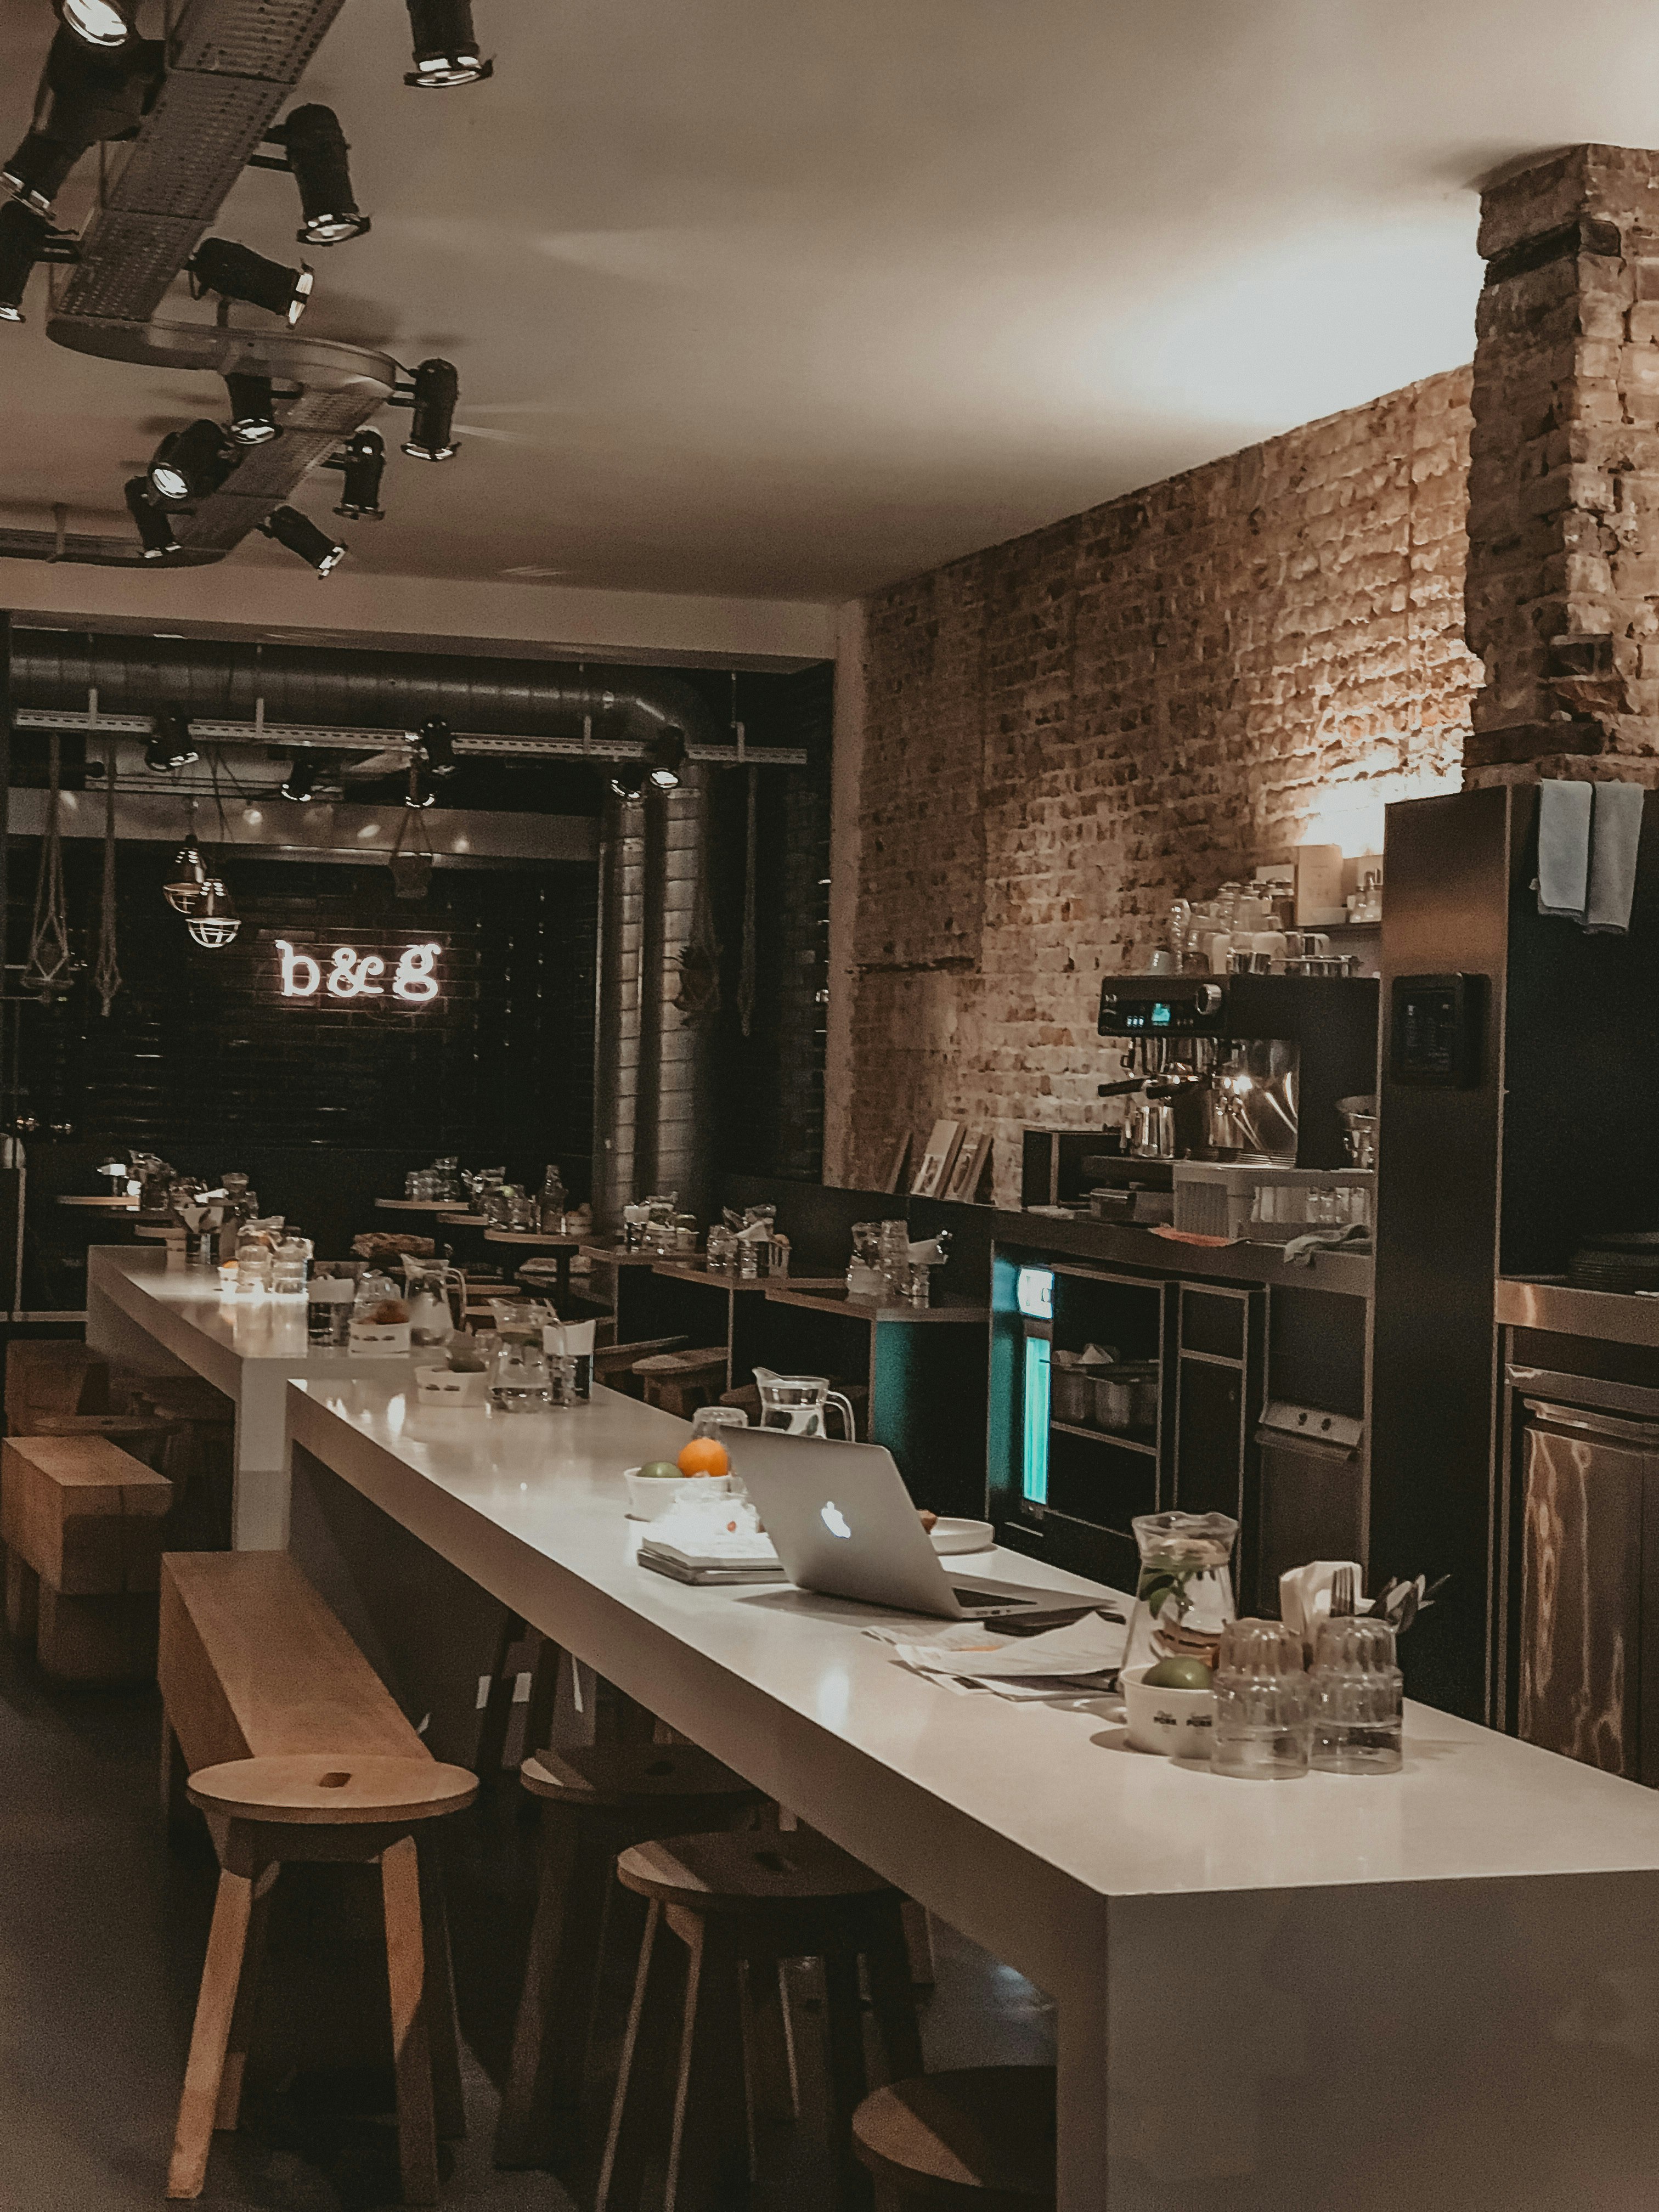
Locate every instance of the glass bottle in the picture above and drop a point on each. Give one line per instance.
(1184, 1598)
(554, 1203)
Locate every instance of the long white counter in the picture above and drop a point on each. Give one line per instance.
(1435, 1988)
(157, 1319)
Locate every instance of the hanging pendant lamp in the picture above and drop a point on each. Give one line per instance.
(187, 878)
(216, 922)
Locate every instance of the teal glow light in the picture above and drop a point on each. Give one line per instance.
(1034, 1472)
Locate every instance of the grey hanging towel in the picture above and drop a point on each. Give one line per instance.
(1616, 840)
(1564, 849)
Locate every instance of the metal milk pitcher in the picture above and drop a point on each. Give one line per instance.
(798, 1403)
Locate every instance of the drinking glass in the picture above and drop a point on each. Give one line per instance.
(564, 1379)
(1357, 1695)
(722, 1248)
(328, 1309)
(290, 1261)
(519, 1380)
(1262, 1719)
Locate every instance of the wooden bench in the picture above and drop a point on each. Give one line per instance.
(81, 1523)
(253, 1665)
(681, 1382)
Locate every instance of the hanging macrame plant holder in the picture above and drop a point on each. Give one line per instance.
(49, 969)
(411, 869)
(698, 997)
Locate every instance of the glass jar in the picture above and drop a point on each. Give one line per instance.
(553, 1205)
(1357, 1693)
(1262, 1714)
(255, 1242)
(1184, 1597)
(519, 1379)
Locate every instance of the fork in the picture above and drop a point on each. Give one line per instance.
(1344, 1595)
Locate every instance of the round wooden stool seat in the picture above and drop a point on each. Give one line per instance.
(746, 1872)
(983, 2137)
(344, 1791)
(626, 1777)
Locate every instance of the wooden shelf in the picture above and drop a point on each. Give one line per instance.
(1125, 1437)
(873, 1309)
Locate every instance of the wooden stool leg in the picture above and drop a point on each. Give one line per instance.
(405, 1958)
(22, 1600)
(919, 1941)
(228, 2112)
(644, 2067)
(443, 2027)
(564, 1945)
(709, 2159)
(773, 2087)
(892, 1999)
(544, 1694)
(498, 1707)
(849, 2080)
(221, 1978)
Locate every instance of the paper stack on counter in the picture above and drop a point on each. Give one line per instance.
(1082, 1650)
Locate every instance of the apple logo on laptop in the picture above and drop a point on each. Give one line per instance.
(836, 1521)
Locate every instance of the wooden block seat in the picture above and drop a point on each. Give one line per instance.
(295, 1749)
(681, 1382)
(81, 1520)
(981, 2140)
(724, 1911)
(597, 1802)
(52, 1375)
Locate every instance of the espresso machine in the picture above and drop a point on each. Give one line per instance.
(1238, 1068)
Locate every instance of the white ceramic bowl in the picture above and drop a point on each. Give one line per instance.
(951, 1537)
(1179, 1723)
(379, 1337)
(442, 1386)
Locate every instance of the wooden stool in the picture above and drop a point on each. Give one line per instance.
(267, 1813)
(144, 1435)
(681, 1382)
(738, 1902)
(980, 2141)
(52, 1375)
(82, 1524)
(199, 1457)
(596, 1803)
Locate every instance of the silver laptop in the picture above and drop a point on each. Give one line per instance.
(844, 1524)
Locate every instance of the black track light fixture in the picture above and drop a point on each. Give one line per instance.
(420, 794)
(252, 413)
(192, 463)
(170, 746)
(361, 462)
(27, 237)
(665, 758)
(237, 272)
(87, 95)
(445, 45)
(152, 522)
(433, 394)
(437, 743)
(300, 782)
(627, 779)
(103, 27)
(301, 535)
(316, 154)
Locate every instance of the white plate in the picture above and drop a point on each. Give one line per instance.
(951, 1537)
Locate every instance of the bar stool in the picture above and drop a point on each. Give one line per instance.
(737, 1902)
(597, 1802)
(979, 2141)
(682, 1382)
(200, 1457)
(267, 1813)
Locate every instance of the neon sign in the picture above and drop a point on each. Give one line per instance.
(354, 974)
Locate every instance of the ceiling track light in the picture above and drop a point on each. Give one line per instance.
(301, 535)
(316, 155)
(666, 757)
(433, 393)
(300, 783)
(361, 462)
(153, 522)
(192, 463)
(437, 743)
(237, 272)
(103, 27)
(88, 94)
(253, 411)
(214, 921)
(170, 746)
(445, 45)
(27, 237)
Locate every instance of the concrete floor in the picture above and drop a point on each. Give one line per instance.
(102, 1930)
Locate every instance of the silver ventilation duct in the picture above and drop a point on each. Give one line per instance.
(653, 1064)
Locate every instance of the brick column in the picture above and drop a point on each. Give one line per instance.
(1562, 591)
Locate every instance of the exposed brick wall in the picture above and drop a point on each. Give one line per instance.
(1064, 733)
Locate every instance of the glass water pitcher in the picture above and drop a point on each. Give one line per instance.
(798, 1403)
(1184, 1598)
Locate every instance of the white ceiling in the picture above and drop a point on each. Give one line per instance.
(789, 302)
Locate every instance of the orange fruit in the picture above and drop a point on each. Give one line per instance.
(704, 1455)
